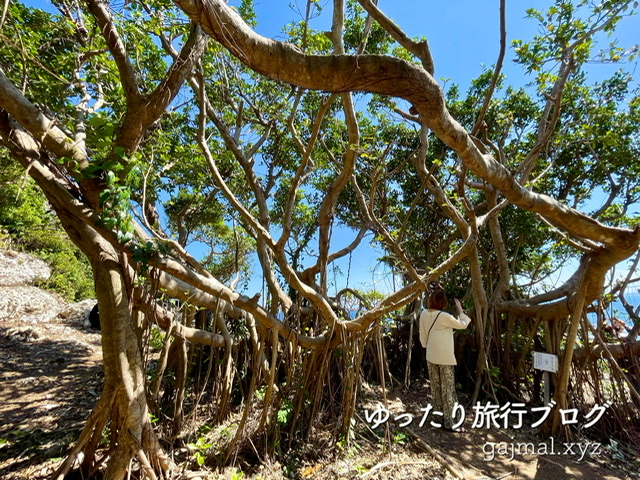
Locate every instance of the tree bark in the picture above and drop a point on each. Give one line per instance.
(132, 433)
(394, 77)
(629, 350)
(123, 398)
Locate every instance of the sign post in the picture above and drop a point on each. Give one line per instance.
(546, 362)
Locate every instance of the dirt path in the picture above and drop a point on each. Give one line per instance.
(51, 376)
(50, 379)
(499, 453)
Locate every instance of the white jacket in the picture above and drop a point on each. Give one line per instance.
(439, 342)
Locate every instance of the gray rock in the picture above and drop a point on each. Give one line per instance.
(22, 269)
(77, 313)
(30, 304)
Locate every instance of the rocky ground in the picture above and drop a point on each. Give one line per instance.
(51, 377)
(50, 369)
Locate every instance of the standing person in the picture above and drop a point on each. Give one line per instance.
(436, 334)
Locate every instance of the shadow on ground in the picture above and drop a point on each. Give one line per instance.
(470, 454)
(48, 388)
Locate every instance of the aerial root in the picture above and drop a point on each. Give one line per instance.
(97, 418)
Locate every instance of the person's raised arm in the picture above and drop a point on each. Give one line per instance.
(463, 319)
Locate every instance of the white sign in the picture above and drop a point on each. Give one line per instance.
(545, 361)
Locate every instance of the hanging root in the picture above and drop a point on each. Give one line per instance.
(90, 433)
(147, 450)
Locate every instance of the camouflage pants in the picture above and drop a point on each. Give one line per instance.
(443, 391)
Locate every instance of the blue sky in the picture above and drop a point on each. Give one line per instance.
(463, 34)
(464, 39)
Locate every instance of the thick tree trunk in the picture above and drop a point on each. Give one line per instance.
(124, 369)
(123, 402)
(123, 406)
